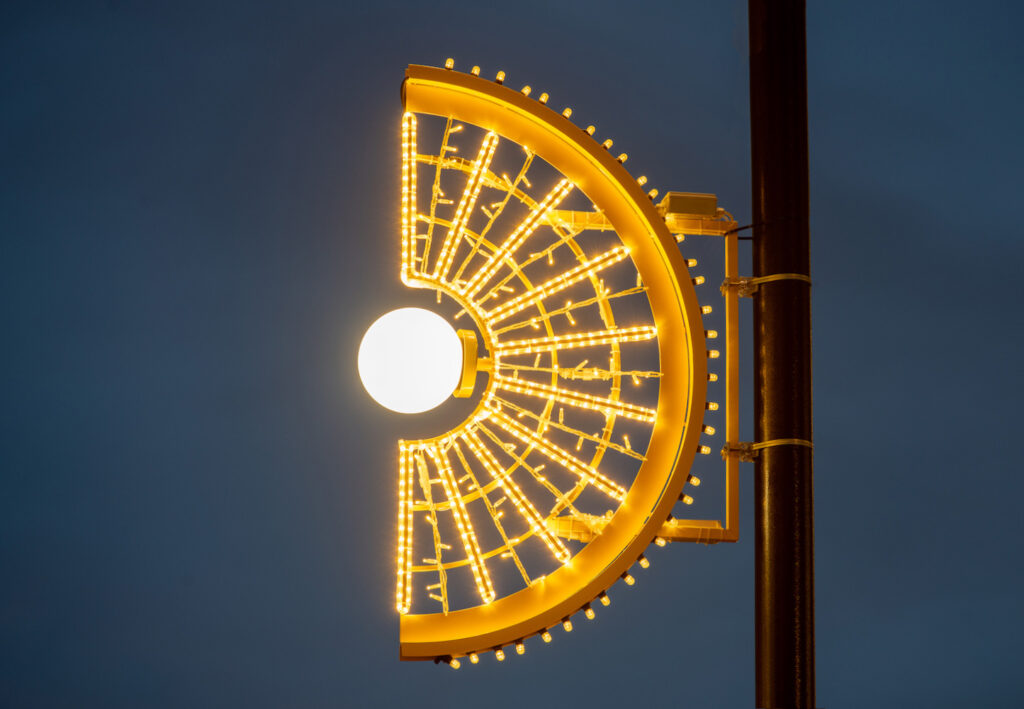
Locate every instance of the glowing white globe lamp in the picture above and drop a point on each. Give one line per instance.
(411, 360)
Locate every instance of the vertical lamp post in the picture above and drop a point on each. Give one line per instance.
(783, 487)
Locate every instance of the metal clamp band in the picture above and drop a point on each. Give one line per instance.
(746, 287)
(747, 452)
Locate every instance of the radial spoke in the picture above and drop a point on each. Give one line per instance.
(466, 205)
(577, 399)
(496, 515)
(557, 284)
(439, 546)
(556, 454)
(576, 339)
(465, 527)
(522, 504)
(517, 237)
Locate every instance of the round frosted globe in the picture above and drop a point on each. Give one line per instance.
(410, 360)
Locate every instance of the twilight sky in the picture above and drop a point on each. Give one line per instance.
(198, 209)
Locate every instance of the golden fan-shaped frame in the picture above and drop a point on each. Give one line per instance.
(681, 349)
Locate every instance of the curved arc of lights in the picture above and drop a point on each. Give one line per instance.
(681, 348)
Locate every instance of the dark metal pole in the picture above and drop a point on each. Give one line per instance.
(784, 566)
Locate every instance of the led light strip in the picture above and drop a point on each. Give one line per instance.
(578, 339)
(469, 540)
(514, 493)
(557, 284)
(466, 204)
(408, 194)
(403, 593)
(556, 454)
(574, 398)
(516, 239)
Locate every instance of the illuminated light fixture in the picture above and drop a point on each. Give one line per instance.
(481, 225)
(410, 360)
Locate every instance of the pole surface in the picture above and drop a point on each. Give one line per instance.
(783, 483)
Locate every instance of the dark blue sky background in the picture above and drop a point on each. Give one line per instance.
(198, 213)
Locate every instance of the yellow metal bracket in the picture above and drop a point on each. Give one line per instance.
(687, 214)
(469, 364)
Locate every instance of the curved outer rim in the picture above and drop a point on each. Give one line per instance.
(681, 349)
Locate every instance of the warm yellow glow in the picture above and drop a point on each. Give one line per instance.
(408, 194)
(508, 254)
(557, 284)
(517, 237)
(465, 526)
(466, 205)
(573, 398)
(403, 598)
(584, 471)
(577, 339)
(515, 494)
(567, 625)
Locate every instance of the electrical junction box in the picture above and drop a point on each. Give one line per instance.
(689, 203)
